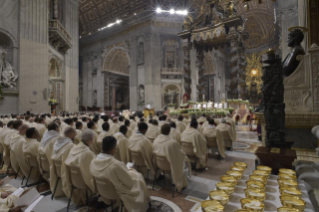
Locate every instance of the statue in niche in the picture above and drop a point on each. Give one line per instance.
(171, 93)
(95, 98)
(7, 75)
(230, 8)
(295, 37)
(141, 94)
(140, 53)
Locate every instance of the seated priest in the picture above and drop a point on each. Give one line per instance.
(18, 160)
(199, 127)
(140, 143)
(132, 123)
(41, 128)
(61, 150)
(169, 148)
(214, 138)
(193, 136)
(129, 130)
(175, 134)
(68, 123)
(78, 127)
(114, 128)
(95, 147)
(31, 147)
(6, 144)
(162, 121)
(152, 131)
(129, 184)
(202, 119)
(122, 152)
(105, 132)
(3, 134)
(227, 133)
(232, 123)
(206, 123)
(80, 156)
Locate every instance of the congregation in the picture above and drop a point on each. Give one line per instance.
(80, 155)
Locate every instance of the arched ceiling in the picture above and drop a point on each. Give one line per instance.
(95, 14)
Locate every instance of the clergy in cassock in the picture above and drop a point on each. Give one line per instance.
(175, 134)
(3, 134)
(166, 146)
(80, 156)
(122, 152)
(153, 131)
(60, 153)
(180, 125)
(95, 147)
(41, 128)
(193, 136)
(18, 161)
(6, 144)
(213, 137)
(103, 134)
(114, 128)
(129, 130)
(227, 133)
(140, 143)
(31, 146)
(79, 127)
(129, 184)
(132, 123)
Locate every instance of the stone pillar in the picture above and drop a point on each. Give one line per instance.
(234, 70)
(133, 74)
(71, 20)
(155, 72)
(303, 21)
(193, 75)
(202, 80)
(187, 70)
(34, 58)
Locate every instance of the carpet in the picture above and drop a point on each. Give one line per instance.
(216, 168)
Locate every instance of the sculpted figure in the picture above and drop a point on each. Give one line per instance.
(295, 37)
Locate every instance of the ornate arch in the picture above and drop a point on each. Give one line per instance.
(117, 60)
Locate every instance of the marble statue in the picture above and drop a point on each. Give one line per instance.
(141, 94)
(7, 76)
(295, 37)
(170, 96)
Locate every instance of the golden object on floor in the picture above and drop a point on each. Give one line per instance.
(252, 205)
(229, 179)
(253, 193)
(291, 191)
(241, 164)
(219, 195)
(287, 183)
(227, 187)
(287, 209)
(261, 173)
(211, 205)
(293, 202)
(287, 171)
(264, 168)
(259, 178)
(235, 174)
(255, 184)
(237, 168)
(287, 177)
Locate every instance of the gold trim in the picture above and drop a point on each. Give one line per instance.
(303, 29)
(275, 150)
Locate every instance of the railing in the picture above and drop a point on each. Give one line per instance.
(59, 38)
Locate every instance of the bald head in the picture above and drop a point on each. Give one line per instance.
(70, 132)
(23, 129)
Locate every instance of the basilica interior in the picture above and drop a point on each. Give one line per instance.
(159, 105)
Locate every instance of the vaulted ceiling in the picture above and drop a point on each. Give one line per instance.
(95, 14)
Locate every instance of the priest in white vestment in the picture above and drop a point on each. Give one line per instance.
(80, 157)
(165, 146)
(193, 136)
(153, 130)
(114, 128)
(18, 161)
(79, 127)
(174, 133)
(6, 144)
(95, 147)
(60, 153)
(213, 136)
(3, 134)
(103, 134)
(140, 143)
(129, 130)
(41, 128)
(122, 151)
(227, 133)
(132, 123)
(47, 143)
(129, 184)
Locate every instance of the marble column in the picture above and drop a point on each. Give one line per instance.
(201, 78)
(33, 55)
(187, 71)
(133, 74)
(193, 75)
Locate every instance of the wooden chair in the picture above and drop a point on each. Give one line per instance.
(58, 166)
(33, 163)
(163, 164)
(44, 165)
(77, 181)
(106, 189)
